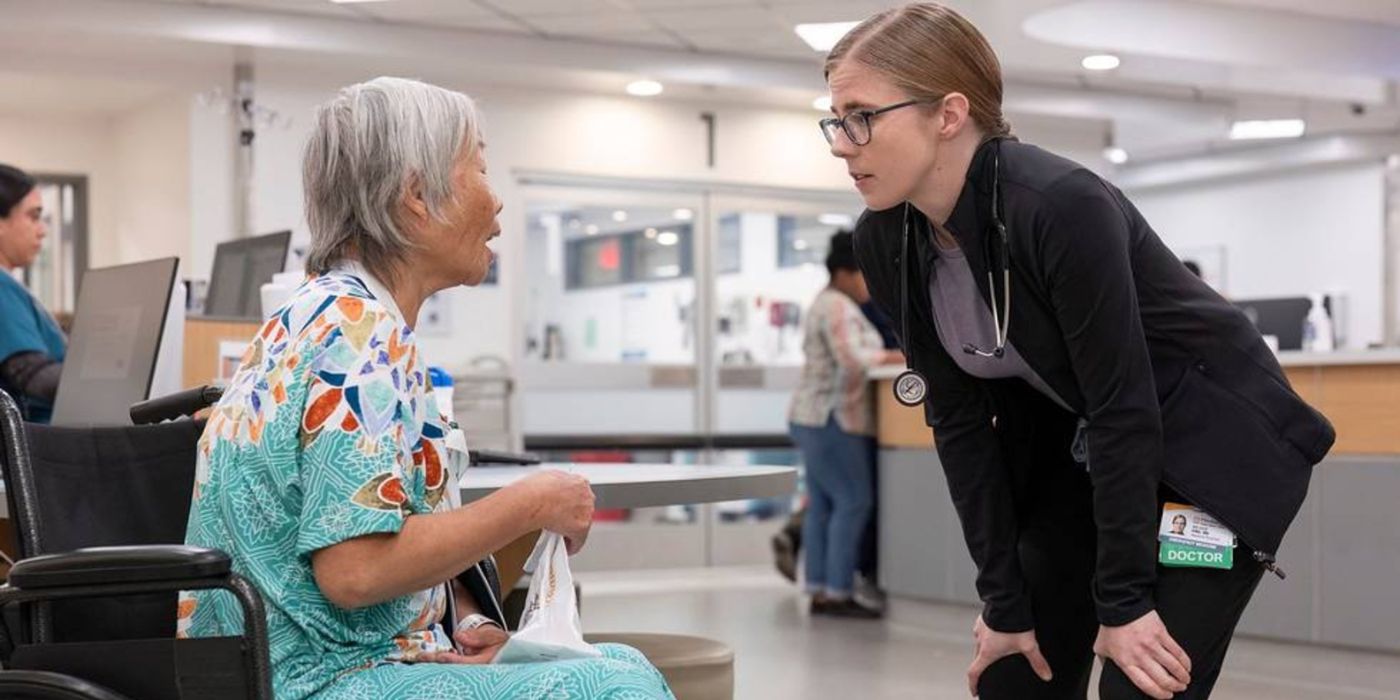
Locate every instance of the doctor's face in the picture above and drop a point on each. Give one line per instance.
(900, 146)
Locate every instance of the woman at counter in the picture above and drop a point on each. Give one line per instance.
(326, 470)
(32, 347)
(1076, 375)
(833, 423)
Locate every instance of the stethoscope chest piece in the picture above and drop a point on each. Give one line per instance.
(910, 388)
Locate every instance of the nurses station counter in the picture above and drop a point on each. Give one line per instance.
(1342, 555)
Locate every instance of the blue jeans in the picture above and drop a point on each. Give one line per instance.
(840, 499)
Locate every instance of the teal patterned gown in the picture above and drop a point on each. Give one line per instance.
(328, 431)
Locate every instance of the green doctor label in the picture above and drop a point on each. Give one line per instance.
(1174, 554)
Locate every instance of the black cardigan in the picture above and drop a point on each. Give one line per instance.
(1170, 382)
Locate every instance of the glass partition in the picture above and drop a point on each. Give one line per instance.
(610, 313)
(666, 327)
(775, 254)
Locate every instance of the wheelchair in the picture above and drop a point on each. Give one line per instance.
(90, 605)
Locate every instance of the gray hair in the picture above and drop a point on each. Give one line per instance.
(369, 145)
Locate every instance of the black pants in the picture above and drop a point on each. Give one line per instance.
(1200, 607)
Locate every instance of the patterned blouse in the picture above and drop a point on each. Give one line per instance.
(327, 432)
(841, 346)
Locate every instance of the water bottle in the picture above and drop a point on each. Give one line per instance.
(1317, 329)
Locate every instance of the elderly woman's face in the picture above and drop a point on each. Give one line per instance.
(461, 246)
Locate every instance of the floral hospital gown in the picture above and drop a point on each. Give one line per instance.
(328, 431)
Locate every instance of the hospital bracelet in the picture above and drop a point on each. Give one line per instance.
(474, 621)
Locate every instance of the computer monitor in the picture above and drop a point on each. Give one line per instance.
(121, 317)
(1282, 317)
(241, 268)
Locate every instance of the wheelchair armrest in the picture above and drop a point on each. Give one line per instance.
(178, 405)
(106, 565)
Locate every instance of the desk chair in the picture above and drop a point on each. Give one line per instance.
(100, 515)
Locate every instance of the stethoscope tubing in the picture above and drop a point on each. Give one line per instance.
(911, 387)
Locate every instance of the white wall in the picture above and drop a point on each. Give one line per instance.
(73, 145)
(152, 164)
(137, 165)
(212, 146)
(1319, 230)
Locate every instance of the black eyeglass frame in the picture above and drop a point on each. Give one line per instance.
(828, 124)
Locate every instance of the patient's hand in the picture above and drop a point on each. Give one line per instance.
(479, 645)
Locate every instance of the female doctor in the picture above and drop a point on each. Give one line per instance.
(1076, 375)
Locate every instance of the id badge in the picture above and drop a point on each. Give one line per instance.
(1191, 537)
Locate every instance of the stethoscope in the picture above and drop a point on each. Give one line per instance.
(911, 387)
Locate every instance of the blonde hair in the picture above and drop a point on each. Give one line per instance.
(928, 50)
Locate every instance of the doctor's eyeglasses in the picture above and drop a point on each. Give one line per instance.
(857, 124)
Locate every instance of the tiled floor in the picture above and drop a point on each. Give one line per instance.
(922, 651)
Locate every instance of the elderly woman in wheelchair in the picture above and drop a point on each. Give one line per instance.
(327, 472)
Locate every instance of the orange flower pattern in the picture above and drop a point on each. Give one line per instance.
(328, 431)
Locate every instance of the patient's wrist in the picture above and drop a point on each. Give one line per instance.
(473, 621)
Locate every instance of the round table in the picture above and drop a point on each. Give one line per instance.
(644, 485)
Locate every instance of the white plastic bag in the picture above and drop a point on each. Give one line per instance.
(549, 627)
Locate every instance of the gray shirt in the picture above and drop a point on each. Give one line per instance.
(962, 317)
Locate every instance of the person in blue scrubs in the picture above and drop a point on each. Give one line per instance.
(31, 345)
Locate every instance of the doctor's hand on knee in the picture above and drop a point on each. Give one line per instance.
(993, 646)
(1147, 655)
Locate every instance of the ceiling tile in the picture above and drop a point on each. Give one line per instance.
(304, 7)
(436, 13)
(717, 18)
(766, 42)
(593, 24)
(531, 8)
(826, 11)
(692, 4)
(653, 39)
(476, 23)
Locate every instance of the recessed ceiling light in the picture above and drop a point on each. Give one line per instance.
(1268, 129)
(591, 229)
(619, 216)
(822, 104)
(668, 238)
(1101, 61)
(799, 244)
(835, 220)
(683, 215)
(645, 88)
(1115, 155)
(823, 36)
